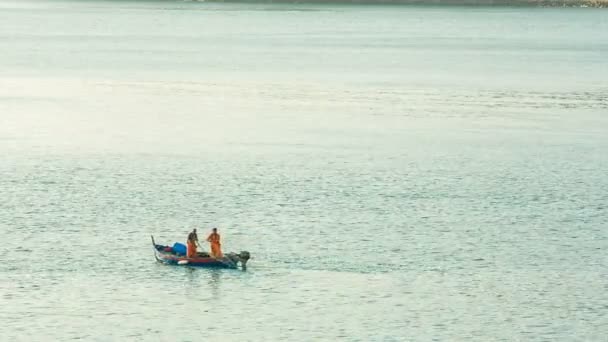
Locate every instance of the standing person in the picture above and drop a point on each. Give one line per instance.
(216, 247)
(191, 244)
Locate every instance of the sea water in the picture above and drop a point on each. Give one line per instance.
(396, 172)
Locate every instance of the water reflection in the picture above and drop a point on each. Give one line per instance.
(214, 282)
(203, 280)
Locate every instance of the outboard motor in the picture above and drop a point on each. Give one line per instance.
(244, 256)
(241, 257)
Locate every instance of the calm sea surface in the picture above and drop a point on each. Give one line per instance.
(397, 173)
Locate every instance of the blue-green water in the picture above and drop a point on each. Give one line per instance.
(398, 173)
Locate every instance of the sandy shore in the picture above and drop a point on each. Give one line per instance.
(532, 3)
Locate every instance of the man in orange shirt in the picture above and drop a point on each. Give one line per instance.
(216, 247)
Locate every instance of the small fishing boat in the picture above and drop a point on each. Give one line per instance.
(176, 255)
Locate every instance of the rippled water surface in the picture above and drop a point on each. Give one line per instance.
(397, 173)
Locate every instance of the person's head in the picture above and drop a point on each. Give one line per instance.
(215, 230)
(194, 230)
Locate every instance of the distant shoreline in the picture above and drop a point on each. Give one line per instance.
(523, 3)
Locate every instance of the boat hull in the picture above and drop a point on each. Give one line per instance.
(171, 259)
